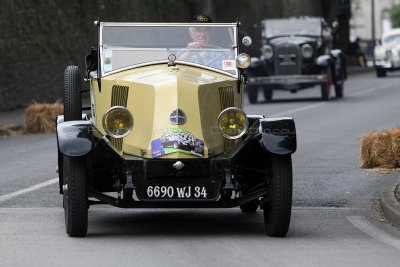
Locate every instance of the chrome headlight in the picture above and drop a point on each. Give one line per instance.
(232, 123)
(118, 122)
(243, 61)
(267, 51)
(307, 51)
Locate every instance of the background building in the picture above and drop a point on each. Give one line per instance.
(361, 20)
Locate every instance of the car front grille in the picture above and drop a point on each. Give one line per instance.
(226, 97)
(287, 60)
(119, 97)
(116, 143)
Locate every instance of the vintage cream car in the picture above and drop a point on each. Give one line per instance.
(387, 54)
(166, 127)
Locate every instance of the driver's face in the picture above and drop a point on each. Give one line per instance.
(200, 35)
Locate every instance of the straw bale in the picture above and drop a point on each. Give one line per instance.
(381, 149)
(40, 118)
(6, 130)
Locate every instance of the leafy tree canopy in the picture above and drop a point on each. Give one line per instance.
(395, 16)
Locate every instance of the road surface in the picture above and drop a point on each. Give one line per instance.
(335, 221)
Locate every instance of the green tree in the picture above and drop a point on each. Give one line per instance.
(39, 38)
(395, 16)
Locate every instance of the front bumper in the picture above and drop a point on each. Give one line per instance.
(287, 79)
(208, 173)
(212, 174)
(387, 65)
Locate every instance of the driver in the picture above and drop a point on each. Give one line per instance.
(201, 37)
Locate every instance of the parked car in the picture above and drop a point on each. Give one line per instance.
(296, 53)
(387, 54)
(164, 131)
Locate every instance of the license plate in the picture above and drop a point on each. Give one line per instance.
(176, 192)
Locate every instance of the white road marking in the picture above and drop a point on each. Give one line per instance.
(372, 89)
(292, 111)
(27, 190)
(361, 223)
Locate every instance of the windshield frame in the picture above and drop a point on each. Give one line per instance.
(281, 21)
(234, 26)
(394, 39)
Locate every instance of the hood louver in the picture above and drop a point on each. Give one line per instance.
(119, 97)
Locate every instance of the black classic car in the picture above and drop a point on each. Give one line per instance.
(296, 54)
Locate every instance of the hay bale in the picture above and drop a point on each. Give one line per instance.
(381, 149)
(9, 130)
(40, 118)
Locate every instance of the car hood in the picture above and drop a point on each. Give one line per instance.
(155, 92)
(391, 46)
(299, 40)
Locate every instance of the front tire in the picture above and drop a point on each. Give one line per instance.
(339, 85)
(75, 196)
(278, 203)
(268, 92)
(72, 94)
(72, 107)
(252, 93)
(380, 73)
(326, 86)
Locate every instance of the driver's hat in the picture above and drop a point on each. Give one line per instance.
(201, 18)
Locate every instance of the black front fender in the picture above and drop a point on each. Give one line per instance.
(323, 61)
(278, 135)
(74, 138)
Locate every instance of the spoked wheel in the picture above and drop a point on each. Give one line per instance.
(278, 203)
(326, 86)
(339, 85)
(75, 196)
(252, 92)
(268, 92)
(250, 207)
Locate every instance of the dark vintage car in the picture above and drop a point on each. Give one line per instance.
(296, 54)
(166, 127)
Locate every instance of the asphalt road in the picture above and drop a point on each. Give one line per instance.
(334, 221)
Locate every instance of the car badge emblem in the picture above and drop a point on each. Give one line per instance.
(202, 19)
(171, 60)
(177, 117)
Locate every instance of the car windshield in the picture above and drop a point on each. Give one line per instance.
(391, 40)
(283, 27)
(125, 45)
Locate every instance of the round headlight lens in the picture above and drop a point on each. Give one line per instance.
(118, 122)
(232, 123)
(243, 61)
(307, 51)
(267, 51)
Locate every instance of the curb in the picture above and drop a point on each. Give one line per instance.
(389, 203)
